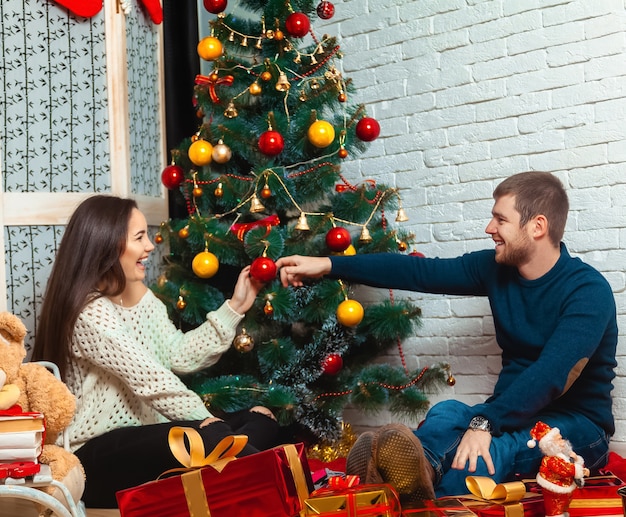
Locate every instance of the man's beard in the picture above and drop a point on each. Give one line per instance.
(516, 253)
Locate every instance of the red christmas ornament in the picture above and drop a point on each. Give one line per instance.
(297, 24)
(417, 254)
(215, 6)
(338, 239)
(271, 143)
(325, 10)
(332, 364)
(172, 176)
(367, 129)
(263, 269)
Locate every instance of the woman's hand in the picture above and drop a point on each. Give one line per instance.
(294, 269)
(210, 420)
(245, 292)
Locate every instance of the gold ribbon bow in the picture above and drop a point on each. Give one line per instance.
(194, 458)
(507, 494)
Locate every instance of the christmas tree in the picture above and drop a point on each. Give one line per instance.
(261, 178)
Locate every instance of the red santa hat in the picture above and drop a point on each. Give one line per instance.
(542, 432)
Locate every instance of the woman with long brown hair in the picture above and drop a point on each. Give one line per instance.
(120, 354)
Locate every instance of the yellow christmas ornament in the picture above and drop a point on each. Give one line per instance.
(200, 152)
(350, 313)
(350, 250)
(210, 48)
(321, 133)
(205, 264)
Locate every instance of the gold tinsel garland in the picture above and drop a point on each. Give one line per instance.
(330, 451)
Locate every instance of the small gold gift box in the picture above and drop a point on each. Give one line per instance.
(367, 500)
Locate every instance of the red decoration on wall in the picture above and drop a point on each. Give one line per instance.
(155, 11)
(83, 8)
(89, 8)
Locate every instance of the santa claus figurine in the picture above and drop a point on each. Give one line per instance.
(561, 470)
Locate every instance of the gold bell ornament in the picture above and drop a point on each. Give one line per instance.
(303, 224)
(283, 84)
(365, 235)
(255, 205)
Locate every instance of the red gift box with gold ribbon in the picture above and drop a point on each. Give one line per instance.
(271, 483)
(345, 497)
(598, 497)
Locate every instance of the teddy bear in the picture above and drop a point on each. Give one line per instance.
(33, 387)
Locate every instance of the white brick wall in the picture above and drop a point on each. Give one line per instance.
(468, 92)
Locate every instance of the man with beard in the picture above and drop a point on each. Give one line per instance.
(555, 322)
(561, 470)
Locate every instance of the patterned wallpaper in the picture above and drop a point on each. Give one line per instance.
(146, 155)
(54, 125)
(53, 100)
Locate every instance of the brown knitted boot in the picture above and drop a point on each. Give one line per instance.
(359, 461)
(399, 458)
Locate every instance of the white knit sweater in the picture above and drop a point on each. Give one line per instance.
(124, 364)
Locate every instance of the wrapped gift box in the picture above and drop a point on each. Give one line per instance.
(272, 483)
(344, 498)
(437, 508)
(531, 505)
(598, 497)
(489, 499)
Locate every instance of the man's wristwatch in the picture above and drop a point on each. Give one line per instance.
(480, 423)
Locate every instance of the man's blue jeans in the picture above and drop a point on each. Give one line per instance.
(447, 421)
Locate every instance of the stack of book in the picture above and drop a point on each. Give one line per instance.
(21, 436)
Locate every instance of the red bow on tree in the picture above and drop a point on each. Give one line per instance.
(212, 81)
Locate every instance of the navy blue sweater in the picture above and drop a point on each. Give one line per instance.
(558, 333)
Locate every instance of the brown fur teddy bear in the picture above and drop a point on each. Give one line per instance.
(34, 388)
